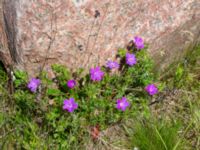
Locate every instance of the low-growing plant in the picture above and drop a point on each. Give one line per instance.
(66, 107)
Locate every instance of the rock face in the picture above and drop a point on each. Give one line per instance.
(84, 33)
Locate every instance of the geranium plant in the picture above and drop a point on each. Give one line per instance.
(98, 98)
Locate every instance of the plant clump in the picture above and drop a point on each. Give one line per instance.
(99, 98)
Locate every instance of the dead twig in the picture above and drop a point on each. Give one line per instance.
(97, 14)
(51, 37)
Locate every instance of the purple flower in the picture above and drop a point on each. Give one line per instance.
(34, 84)
(112, 65)
(131, 59)
(96, 74)
(122, 104)
(70, 105)
(139, 43)
(151, 89)
(71, 84)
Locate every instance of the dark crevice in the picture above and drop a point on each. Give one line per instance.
(2, 67)
(9, 16)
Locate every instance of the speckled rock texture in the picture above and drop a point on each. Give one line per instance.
(84, 33)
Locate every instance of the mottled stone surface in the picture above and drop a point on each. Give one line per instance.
(82, 33)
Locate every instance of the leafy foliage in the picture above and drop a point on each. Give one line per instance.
(37, 120)
(42, 111)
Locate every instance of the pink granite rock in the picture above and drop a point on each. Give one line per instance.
(82, 33)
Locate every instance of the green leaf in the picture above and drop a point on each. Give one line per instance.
(122, 52)
(53, 92)
(21, 75)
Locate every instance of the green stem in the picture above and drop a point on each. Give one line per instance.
(161, 139)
